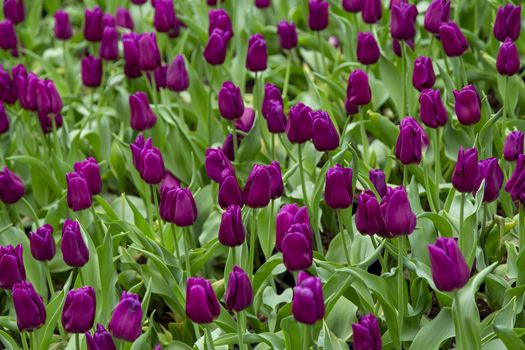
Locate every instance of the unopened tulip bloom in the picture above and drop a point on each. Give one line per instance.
(287, 35)
(202, 305)
(423, 76)
(299, 127)
(48, 99)
(338, 193)
(73, 247)
(149, 58)
(324, 135)
(14, 10)
(11, 186)
(215, 163)
(257, 56)
(159, 76)
(29, 307)
(169, 181)
(403, 21)
(100, 340)
(513, 145)
(109, 45)
(467, 105)
(378, 179)
(308, 301)
(371, 11)
(62, 28)
(139, 2)
(271, 93)
(288, 215)
(396, 46)
(126, 320)
(245, 122)
(177, 206)
(358, 91)
(79, 309)
(276, 179)
(318, 14)
(437, 12)
(4, 119)
(150, 163)
(262, 4)
(93, 25)
(90, 170)
(130, 43)
(467, 174)
(230, 192)
(164, 15)
(411, 142)
(397, 213)
(177, 78)
(230, 101)
(368, 218)
(239, 291)
(123, 18)
(275, 118)
(352, 5)
(12, 266)
(508, 60)
(91, 71)
(8, 38)
(516, 184)
(432, 111)
(366, 334)
(257, 191)
(8, 86)
(453, 40)
(216, 47)
(47, 120)
(42, 243)
(108, 20)
(142, 117)
(231, 230)
(493, 176)
(78, 194)
(367, 48)
(449, 268)
(297, 247)
(508, 22)
(219, 19)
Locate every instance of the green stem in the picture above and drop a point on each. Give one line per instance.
(404, 75)
(405, 177)
(505, 108)
(209, 338)
(323, 61)
(521, 227)
(210, 98)
(364, 137)
(98, 233)
(23, 337)
(437, 158)
(235, 145)
(156, 201)
(273, 146)
(400, 289)
(463, 71)
(147, 202)
(186, 254)
(456, 315)
(379, 255)
(196, 331)
(79, 269)
(252, 241)
(240, 329)
(287, 75)
(461, 218)
(31, 210)
(306, 337)
(343, 237)
(175, 242)
(49, 279)
(233, 255)
(77, 341)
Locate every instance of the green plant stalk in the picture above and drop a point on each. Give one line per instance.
(156, 200)
(240, 328)
(461, 219)
(306, 337)
(235, 145)
(343, 237)
(208, 338)
(147, 202)
(437, 158)
(23, 337)
(31, 210)
(464, 78)
(186, 254)
(49, 279)
(77, 341)
(400, 291)
(404, 75)
(210, 98)
(273, 146)
(287, 75)
(98, 233)
(456, 315)
(252, 241)
(323, 61)
(521, 227)
(364, 138)
(175, 242)
(505, 107)
(271, 221)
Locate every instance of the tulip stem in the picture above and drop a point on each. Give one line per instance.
(23, 337)
(77, 341)
(306, 337)
(176, 242)
(186, 255)
(273, 146)
(235, 145)
(461, 218)
(241, 328)
(252, 241)
(323, 61)
(49, 279)
(156, 201)
(364, 138)
(208, 338)
(437, 159)
(463, 71)
(505, 107)
(343, 237)
(521, 227)
(210, 97)
(287, 75)
(95, 222)
(404, 77)
(400, 289)
(79, 270)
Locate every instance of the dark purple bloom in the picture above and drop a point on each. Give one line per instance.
(230, 101)
(516, 184)
(79, 309)
(130, 42)
(245, 122)
(288, 215)
(78, 194)
(453, 40)
(126, 320)
(403, 21)
(358, 91)
(297, 247)
(257, 191)
(367, 335)
(47, 120)
(8, 38)
(230, 193)
(338, 193)
(308, 301)
(256, 57)
(109, 45)
(271, 93)
(11, 186)
(90, 170)
(513, 145)
(468, 105)
(149, 58)
(378, 179)
(423, 76)
(367, 48)
(299, 127)
(432, 111)
(508, 60)
(275, 118)
(262, 4)
(437, 12)
(215, 163)
(397, 214)
(493, 176)
(12, 266)
(467, 174)
(508, 22)
(91, 71)
(8, 86)
(14, 10)
(164, 16)
(42, 243)
(29, 307)
(150, 164)
(411, 142)
(318, 14)
(202, 305)
(142, 117)
(219, 19)
(177, 78)
(123, 18)
(215, 50)
(48, 99)
(4, 119)
(231, 230)
(177, 206)
(93, 25)
(239, 292)
(324, 135)
(449, 268)
(368, 218)
(63, 29)
(100, 340)
(287, 35)
(74, 249)
(276, 179)
(371, 11)
(352, 5)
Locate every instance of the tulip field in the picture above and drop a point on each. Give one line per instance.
(262, 174)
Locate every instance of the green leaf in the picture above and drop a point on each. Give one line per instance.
(435, 332)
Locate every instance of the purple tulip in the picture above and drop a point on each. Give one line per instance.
(397, 214)
(324, 136)
(100, 340)
(358, 91)
(91, 71)
(367, 48)
(231, 104)
(276, 179)
(453, 40)
(8, 40)
(308, 301)
(149, 58)
(73, 247)
(142, 117)
(432, 111)
(297, 247)
(287, 35)
(467, 174)
(423, 76)
(139, 2)
(468, 105)
(275, 118)
(11, 186)
(123, 18)
(368, 218)
(338, 192)
(90, 170)
(177, 78)
(516, 184)
(262, 4)
(231, 230)
(378, 179)
(8, 86)
(371, 11)
(4, 119)
(48, 99)
(78, 194)
(177, 206)
(79, 309)
(215, 163)
(12, 266)
(202, 305)
(352, 5)
(508, 60)
(14, 10)
(151, 164)
(29, 307)
(239, 292)
(245, 122)
(299, 127)
(93, 25)
(288, 215)
(508, 22)
(215, 50)
(257, 191)
(126, 320)
(257, 56)
(130, 42)
(437, 12)
(403, 21)
(169, 181)
(513, 145)
(493, 176)
(109, 44)
(449, 268)
(108, 20)
(63, 29)
(164, 16)
(47, 120)
(396, 46)
(42, 243)
(411, 142)
(271, 93)
(219, 19)
(230, 193)
(366, 334)
(318, 14)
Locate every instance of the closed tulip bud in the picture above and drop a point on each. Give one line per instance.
(239, 292)
(177, 76)
(287, 35)
(299, 127)
(91, 71)
(169, 181)
(149, 58)
(449, 268)
(231, 230)
(8, 87)
(368, 218)
(256, 57)
(367, 335)
(437, 12)
(453, 40)
(8, 38)
(371, 11)
(318, 14)
(275, 118)
(159, 77)
(338, 193)
(467, 174)
(508, 22)
(288, 215)
(411, 142)
(47, 120)
(123, 18)
(12, 266)
(432, 111)
(48, 99)
(78, 194)
(126, 320)
(277, 186)
(358, 91)
(308, 301)
(130, 42)
(216, 48)
(90, 170)
(403, 21)
(14, 10)
(4, 119)
(74, 249)
(142, 117)
(62, 28)
(245, 122)
(109, 45)
(423, 76)
(215, 163)
(367, 48)
(350, 109)
(100, 340)
(493, 176)
(42, 243)
(139, 2)
(94, 25)
(108, 20)
(230, 102)
(297, 247)
(79, 309)
(151, 164)
(324, 135)
(230, 192)
(513, 145)
(396, 46)
(177, 206)
(29, 307)
(164, 15)
(219, 19)
(378, 179)
(397, 213)
(11, 186)
(468, 105)
(257, 191)
(508, 60)
(262, 4)
(202, 305)
(516, 184)
(271, 93)
(352, 5)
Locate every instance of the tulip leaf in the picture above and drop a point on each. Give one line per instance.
(435, 332)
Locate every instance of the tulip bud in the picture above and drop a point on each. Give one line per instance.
(164, 15)
(215, 50)
(130, 42)
(324, 136)
(245, 122)
(368, 218)
(308, 301)
(262, 4)
(299, 127)
(352, 5)
(297, 247)
(411, 142)
(74, 249)
(8, 87)
(515, 185)
(449, 268)
(508, 22)
(239, 292)
(177, 76)
(4, 119)
(63, 30)
(432, 111)
(42, 243)
(90, 170)
(149, 58)
(371, 11)
(169, 181)
(94, 25)
(338, 193)
(230, 192)
(423, 76)
(350, 109)
(219, 19)
(14, 10)
(47, 120)
(493, 176)
(275, 118)
(177, 206)
(513, 145)
(79, 309)
(29, 307)
(78, 194)
(437, 12)
(48, 99)
(109, 45)
(123, 18)
(358, 91)
(256, 57)
(142, 117)
(287, 35)
(215, 163)
(11, 186)
(403, 21)
(101, 339)
(12, 266)
(271, 93)
(8, 38)
(397, 214)
(231, 230)
(467, 175)
(126, 320)
(396, 46)
(508, 60)
(257, 191)
(468, 105)
(318, 14)
(276, 179)
(288, 215)
(91, 71)
(139, 2)
(378, 179)
(150, 164)
(230, 100)
(367, 48)
(453, 40)
(366, 334)
(227, 146)
(202, 305)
